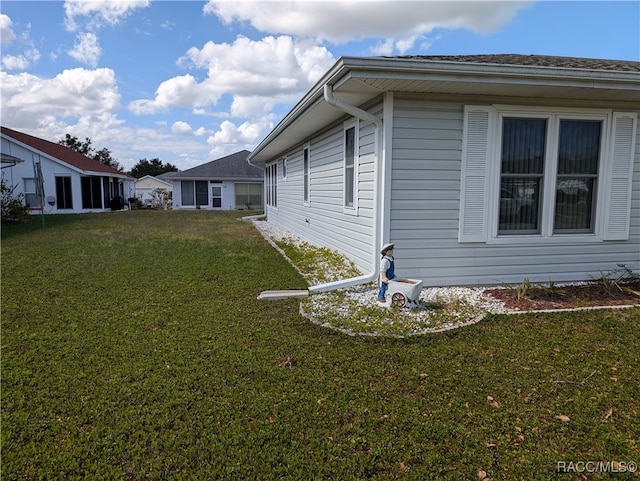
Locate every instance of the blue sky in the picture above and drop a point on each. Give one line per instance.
(191, 81)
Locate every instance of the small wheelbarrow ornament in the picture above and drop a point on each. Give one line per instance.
(405, 292)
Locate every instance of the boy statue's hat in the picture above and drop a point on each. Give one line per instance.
(386, 248)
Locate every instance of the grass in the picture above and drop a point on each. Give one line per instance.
(133, 347)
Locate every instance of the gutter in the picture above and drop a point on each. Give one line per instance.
(379, 154)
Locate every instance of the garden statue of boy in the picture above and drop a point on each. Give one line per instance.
(386, 270)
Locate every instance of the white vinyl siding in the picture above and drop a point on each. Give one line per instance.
(351, 161)
(426, 185)
(325, 221)
(427, 192)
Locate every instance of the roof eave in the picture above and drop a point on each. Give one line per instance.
(449, 75)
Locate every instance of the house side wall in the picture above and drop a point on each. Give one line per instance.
(323, 221)
(50, 170)
(228, 190)
(425, 206)
(228, 196)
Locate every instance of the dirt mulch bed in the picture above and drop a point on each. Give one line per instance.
(568, 297)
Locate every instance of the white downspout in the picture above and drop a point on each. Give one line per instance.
(377, 168)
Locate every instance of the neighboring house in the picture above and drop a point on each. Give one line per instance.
(73, 183)
(224, 184)
(482, 169)
(146, 188)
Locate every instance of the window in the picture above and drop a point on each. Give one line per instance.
(577, 179)
(546, 174)
(91, 192)
(30, 196)
(350, 174)
(64, 198)
(194, 193)
(529, 160)
(187, 189)
(248, 196)
(271, 174)
(522, 165)
(305, 174)
(216, 196)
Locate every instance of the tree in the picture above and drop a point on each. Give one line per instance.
(103, 156)
(151, 167)
(74, 144)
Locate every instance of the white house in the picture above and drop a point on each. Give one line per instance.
(145, 188)
(73, 183)
(227, 183)
(482, 169)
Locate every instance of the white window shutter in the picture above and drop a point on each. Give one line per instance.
(473, 182)
(618, 191)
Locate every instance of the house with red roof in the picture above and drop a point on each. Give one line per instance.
(72, 182)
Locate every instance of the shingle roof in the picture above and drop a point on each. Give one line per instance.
(61, 152)
(535, 60)
(234, 166)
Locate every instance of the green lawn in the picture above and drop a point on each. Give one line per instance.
(133, 347)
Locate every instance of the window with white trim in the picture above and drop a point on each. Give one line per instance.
(350, 164)
(30, 196)
(546, 174)
(248, 195)
(564, 154)
(216, 195)
(305, 175)
(271, 175)
(64, 195)
(194, 193)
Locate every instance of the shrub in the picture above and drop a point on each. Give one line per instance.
(13, 207)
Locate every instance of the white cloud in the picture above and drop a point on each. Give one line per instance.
(72, 94)
(86, 49)
(258, 74)
(183, 91)
(14, 62)
(231, 137)
(6, 32)
(341, 21)
(97, 13)
(392, 46)
(91, 15)
(184, 129)
(181, 128)
(22, 61)
(245, 134)
(24, 51)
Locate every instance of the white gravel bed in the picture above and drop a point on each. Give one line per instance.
(355, 310)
